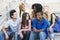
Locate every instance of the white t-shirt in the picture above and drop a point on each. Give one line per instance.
(13, 25)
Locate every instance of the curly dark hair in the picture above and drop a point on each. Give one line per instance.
(37, 6)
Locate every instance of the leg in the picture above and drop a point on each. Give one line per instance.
(51, 35)
(1, 36)
(10, 34)
(24, 36)
(42, 35)
(27, 35)
(21, 35)
(32, 36)
(16, 36)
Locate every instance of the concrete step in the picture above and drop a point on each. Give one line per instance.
(57, 36)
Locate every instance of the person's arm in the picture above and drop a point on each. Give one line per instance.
(29, 24)
(53, 21)
(19, 28)
(4, 29)
(34, 26)
(35, 30)
(44, 26)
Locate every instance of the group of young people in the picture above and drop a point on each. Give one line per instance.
(28, 27)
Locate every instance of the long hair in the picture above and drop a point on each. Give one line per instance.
(20, 7)
(24, 21)
(38, 8)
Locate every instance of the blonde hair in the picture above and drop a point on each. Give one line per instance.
(21, 5)
(47, 12)
(20, 8)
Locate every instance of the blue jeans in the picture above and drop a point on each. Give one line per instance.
(51, 34)
(13, 33)
(1, 35)
(41, 35)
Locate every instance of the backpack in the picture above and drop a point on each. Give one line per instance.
(56, 26)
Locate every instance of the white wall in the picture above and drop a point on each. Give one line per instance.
(54, 5)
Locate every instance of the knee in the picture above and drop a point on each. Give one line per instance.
(28, 32)
(42, 34)
(32, 34)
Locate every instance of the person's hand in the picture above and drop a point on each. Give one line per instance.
(23, 27)
(7, 37)
(50, 28)
(20, 31)
(41, 30)
(25, 30)
(20, 34)
(35, 30)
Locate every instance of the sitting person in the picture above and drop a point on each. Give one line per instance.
(26, 27)
(39, 27)
(51, 18)
(51, 30)
(14, 24)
